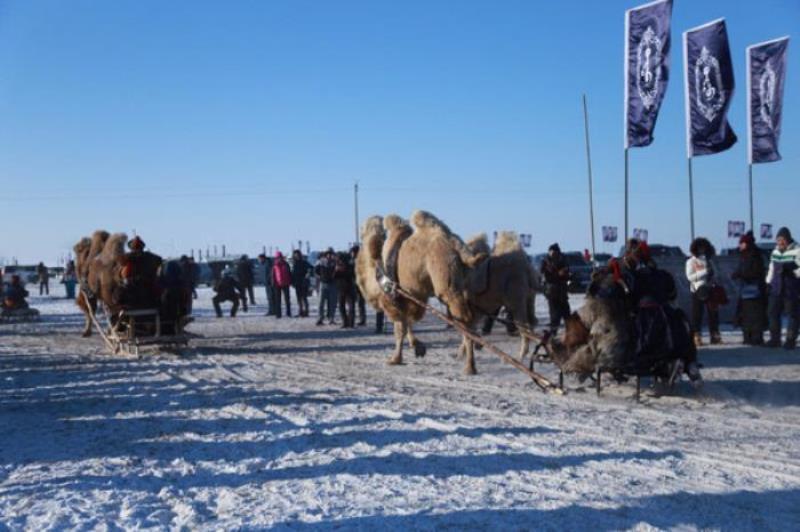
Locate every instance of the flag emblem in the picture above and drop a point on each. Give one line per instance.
(766, 95)
(648, 67)
(709, 92)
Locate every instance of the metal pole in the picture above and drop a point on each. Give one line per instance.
(355, 196)
(626, 195)
(752, 223)
(589, 166)
(691, 198)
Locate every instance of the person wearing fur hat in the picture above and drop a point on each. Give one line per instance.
(750, 307)
(702, 275)
(555, 272)
(783, 278)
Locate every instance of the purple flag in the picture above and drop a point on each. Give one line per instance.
(647, 44)
(708, 86)
(766, 72)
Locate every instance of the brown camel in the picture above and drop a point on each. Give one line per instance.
(430, 261)
(503, 279)
(98, 264)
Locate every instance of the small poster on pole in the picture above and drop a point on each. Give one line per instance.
(609, 233)
(640, 234)
(766, 231)
(735, 228)
(526, 239)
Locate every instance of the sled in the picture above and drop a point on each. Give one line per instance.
(19, 315)
(143, 328)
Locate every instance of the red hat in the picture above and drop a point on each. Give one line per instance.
(136, 244)
(748, 239)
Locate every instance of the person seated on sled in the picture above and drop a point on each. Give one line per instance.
(175, 297)
(139, 288)
(227, 289)
(660, 330)
(14, 295)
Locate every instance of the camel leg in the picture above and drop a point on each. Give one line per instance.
(420, 349)
(469, 363)
(87, 326)
(400, 331)
(524, 346)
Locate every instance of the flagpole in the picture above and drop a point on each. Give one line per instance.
(589, 167)
(750, 175)
(626, 194)
(691, 198)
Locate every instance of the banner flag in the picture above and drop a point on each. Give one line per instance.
(708, 87)
(766, 72)
(647, 45)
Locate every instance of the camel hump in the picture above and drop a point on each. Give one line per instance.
(479, 244)
(426, 220)
(82, 246)
(506, 242)
(114, 248)
(372, 236)
(98, 242)
(393, 222)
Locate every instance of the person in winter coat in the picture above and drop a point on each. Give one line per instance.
(44, 279)
(282, 281)
(749, 274)
(346, 289)
(702, 276)
(360, 301)
(555, 272)
(244, 271)
(70, 279)
(227, 289)
(326, 270)
(783, 278)
(301, 270)
(14, 294)
(266, 263)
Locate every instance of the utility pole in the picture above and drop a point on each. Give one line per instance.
(355, 197)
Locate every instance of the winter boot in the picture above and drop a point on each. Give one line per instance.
(774, 342)
(716, 338)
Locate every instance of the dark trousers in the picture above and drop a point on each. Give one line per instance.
(216, 300)
(559, 310)
(302, 300)
(243, 297)
(347, 303)
(698, 308)
(269, 289)
(284, 292)
(248, 289)
(44, 288)
(779, 305)
(327, 296)
(362, 307)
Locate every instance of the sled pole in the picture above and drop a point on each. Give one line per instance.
(538, 378)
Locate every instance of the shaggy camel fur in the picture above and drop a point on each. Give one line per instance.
(431, 261)
(98, 267)
(504, 279)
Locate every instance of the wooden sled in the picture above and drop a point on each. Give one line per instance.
(143, 328)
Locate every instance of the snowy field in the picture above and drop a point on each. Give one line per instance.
(279, 423)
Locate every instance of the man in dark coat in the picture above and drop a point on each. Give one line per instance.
(301, 270)
(244, 271)
(360, 301)
(326, 271)
(44, 279)
(346, 289)
(227, 289)
(751, 306)
(556, 278)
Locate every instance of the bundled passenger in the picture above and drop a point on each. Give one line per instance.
(14, 295)
(139, 288)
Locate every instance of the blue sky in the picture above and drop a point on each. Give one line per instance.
(247, 123)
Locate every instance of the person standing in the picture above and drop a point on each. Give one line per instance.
(282, 281)
(266, 263)
(749, 274)
(360, 301)
(783, 278)
(346, 289)
(326, 270)
(702, 274)
(70, 279)
(44, 279)
(300, 272)
(555, 271)
(244, 271)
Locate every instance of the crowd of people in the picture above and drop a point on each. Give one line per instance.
(767, 289)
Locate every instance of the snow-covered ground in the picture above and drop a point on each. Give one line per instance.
(266, 422)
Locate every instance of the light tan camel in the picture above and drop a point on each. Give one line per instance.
(431, 261)
(99, 261)
(504, 279)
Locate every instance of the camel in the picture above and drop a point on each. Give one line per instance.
(504, 279)
(99, 260)
(430, 261)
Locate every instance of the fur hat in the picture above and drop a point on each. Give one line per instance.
(748, 239)
(136, 244)
(701, 246)
(784, 233)
(554, 247)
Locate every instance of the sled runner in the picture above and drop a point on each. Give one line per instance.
(19, 315)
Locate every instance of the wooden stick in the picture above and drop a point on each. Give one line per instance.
(538, 378)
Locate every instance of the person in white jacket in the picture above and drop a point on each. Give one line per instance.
(783, 279)
(701, 273)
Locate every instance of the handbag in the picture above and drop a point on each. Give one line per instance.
(703, 293)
